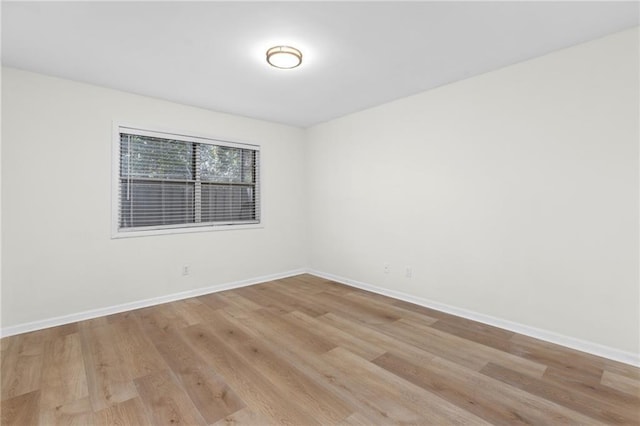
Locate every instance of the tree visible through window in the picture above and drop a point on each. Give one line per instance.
(168, 181)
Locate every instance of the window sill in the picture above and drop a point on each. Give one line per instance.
(186, 230)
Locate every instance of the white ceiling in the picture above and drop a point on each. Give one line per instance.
(356, 54)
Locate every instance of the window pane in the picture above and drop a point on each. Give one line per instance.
(227, 203)
(168, 182)
(226, 164)
(143, 156)
(145, 203)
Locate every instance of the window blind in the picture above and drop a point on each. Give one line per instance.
(171, 181)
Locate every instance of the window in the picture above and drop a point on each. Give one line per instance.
(168, 181)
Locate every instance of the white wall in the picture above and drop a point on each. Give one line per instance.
(58, 255)
(513, 194)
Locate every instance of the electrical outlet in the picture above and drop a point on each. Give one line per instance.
(387, 268)
(186, 270)
(408, 272)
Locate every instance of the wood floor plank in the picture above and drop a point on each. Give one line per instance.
(485, 397)
(441, 346)
(161, 318)
(572, 381)
(298, 302)
(423, 310)
(303, 351)
(210, 393)
(139, 355)
(22, 365)
(300, 336)
(8, 341)
(213, 300)
(377, 338)
(453, 347)
(304, 303)
(390, 387)
(166, 401)
(568, 362)
(193, 311)
(338, 337)
(476, 332)
(330, 286)
(330, 303)
(76, 413)
(621, 383)
(320, 404)
(107, 381)
(130, 412)
(63, 378)
(594, 407)
(254, 389)
(21, 410)
(484, 330)
(244, 417)
(366, 299)
(349, 389)
(296, 287)
(325, 284)
(356, 419)
(235, 299)
(363, 394)
(93, 322)
(362, 312)
(625, 370)
(238, 305)
(262, 298)
(122, 316)
(301, 282)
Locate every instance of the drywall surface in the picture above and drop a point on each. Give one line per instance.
(513, 194)
(58, 255)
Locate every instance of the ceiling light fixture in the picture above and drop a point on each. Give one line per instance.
(284, 57)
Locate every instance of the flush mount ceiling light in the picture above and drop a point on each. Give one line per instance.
(284, 57)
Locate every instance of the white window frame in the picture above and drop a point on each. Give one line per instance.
(116, 232)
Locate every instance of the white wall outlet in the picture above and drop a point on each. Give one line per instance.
(387, 268)
(408, 272)
(186, 270)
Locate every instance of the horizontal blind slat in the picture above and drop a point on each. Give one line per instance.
(160, 186)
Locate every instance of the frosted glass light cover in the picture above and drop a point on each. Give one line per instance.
(284, 57)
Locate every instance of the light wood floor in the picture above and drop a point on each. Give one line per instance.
(304, 351)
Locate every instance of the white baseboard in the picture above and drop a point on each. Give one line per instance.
(110, 310)
(548, 336)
